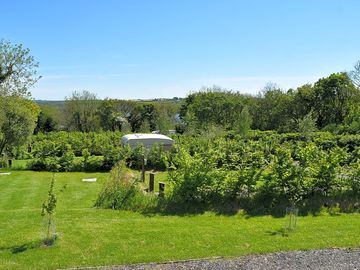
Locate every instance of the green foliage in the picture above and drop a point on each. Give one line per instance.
(195, 179)
(212, 106)
(17, 70)
(112, 115)
(264, 171)
(244, 122)
(285, 178)
(121, 191)
(272, 109)
(17, 121)
(307, 124)
(81, 111)
(353, 179)
(48, 120)
(333, 97)
(66, 161)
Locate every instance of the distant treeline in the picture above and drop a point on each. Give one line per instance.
(85, 113)
(330, 104)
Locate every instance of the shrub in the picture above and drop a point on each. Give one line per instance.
(121, 191)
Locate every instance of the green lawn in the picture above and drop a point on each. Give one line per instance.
(92, 237)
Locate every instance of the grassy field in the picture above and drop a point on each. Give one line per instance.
(92, 237)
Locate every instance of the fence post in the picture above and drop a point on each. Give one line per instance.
(161, 189)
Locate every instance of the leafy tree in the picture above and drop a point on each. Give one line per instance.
(81, 111)
(46, 121)
(17, 120)
(333, 97)
(212, 106)
(17, 69)
(135, 118)
(164, 122)
(149, 114)
(111, 116)
(272, 109)
(303, 101)
(165, 116)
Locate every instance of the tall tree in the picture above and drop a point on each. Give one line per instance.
(333, 97)
(355, 74)
(111, 115)
(17, 120)
(18, 69)
(81, 111)
(18, 114)
(212, 106)
(272, 109)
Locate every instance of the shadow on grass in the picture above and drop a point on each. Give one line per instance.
(167, 207)
(16, 249)
(260, 206)
(280, 232)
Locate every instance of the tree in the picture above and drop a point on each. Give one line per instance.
(135, 118)
(81, 111)
(48, 119)
(212, 106)
(17, 120)
(17, 70)
(17, 114)
(307, 124)
(244, 121)
(48, 210)
(272, 109)
(333, 97)
(303, 101)
(355, 74)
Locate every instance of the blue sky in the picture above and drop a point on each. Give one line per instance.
(130, 49)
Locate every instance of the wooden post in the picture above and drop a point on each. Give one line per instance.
(143, 172)
(151, 182)
(10, 163)
(161, 189)
(143, 169)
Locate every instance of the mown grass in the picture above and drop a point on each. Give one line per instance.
(93, 237)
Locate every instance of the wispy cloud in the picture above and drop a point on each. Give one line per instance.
(85, 76)
(260, 78)
(74, 67)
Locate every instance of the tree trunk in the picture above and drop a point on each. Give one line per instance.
(2, 145)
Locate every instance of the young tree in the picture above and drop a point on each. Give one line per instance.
(17, 70)
(307, 124)
(244, 121)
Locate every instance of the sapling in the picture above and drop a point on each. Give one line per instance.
(48, 210)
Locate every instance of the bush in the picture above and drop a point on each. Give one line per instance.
(121, 191)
